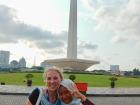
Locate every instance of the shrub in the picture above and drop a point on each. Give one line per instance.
(29, 76)
(29, 80)
(72, 77)
(113, 78)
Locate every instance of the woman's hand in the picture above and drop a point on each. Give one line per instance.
(78, 94)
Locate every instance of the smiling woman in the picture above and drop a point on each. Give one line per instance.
(48, 95)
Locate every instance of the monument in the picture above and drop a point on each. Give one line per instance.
(71, 62)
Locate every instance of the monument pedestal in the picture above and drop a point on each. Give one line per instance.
(72, 64)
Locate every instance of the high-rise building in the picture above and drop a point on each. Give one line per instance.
(114, 69)
(4, 59)
(22, 63)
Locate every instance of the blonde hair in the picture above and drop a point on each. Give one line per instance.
(56, 69)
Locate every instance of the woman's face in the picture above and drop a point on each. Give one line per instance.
(65, 95)
(53, 80)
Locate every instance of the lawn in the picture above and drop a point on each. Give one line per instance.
(92, 80)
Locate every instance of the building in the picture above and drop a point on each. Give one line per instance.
(14, 64)
(22, 63)
(114, 69)
(4, 59)
(44, 64)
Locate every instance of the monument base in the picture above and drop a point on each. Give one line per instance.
(72, 64)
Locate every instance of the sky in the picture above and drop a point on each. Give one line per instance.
(108, 31)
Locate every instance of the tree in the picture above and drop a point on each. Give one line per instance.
(72, 77)
(136, 71)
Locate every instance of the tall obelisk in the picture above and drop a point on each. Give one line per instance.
(71, 62)
(72, 31)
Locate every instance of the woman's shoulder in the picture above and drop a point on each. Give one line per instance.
(33, 96)
(35, 91)
(38, 89)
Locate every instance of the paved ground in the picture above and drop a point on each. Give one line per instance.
(91, 90)
(12, 99)
(17, 95)
(21, 99)
(115, 100)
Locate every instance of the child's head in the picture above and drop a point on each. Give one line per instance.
(66, 89)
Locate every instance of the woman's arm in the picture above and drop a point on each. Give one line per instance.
(33, 96)
(83, 98)
(87, 102)
(79, 95)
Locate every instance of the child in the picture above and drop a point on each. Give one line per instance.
(70, 95)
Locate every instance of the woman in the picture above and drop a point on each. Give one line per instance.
(49, 96)
(70, 95)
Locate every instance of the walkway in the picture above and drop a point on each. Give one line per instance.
(17, 95)
(92, 91)
(21, 99)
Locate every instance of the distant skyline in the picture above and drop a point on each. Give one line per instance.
(108, 31)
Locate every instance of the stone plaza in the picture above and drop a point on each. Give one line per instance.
(17, 95)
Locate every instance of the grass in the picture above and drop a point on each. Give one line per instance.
(19, 78)
(92, 80)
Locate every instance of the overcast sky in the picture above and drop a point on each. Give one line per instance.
(108, 31)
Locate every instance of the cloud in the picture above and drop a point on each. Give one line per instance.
(87, 45)
(12, 31)
(84, 47)
(119, 39)
(90, 5)
(119, 17)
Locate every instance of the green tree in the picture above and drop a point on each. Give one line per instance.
(29, 76)
(72, 77)
(136, 71)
